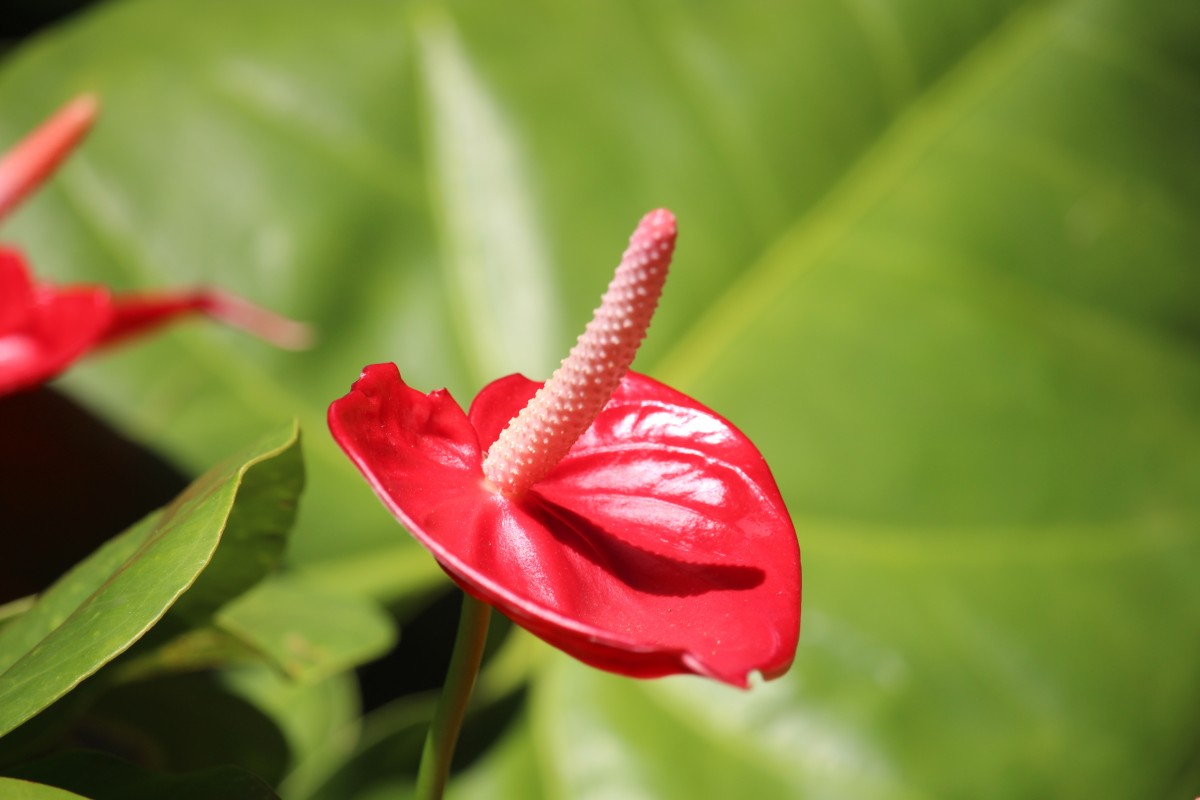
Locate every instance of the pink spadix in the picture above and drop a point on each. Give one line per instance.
(538, 438)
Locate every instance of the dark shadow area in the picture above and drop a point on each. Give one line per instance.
(419, 661)
(68, 482)
(21, 18)
(170, 724)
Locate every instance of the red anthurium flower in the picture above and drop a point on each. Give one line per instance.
(614, 517)
(43, 328)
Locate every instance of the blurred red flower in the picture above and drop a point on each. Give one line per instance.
(43, 327)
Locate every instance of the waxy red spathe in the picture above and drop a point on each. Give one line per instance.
(659, 544)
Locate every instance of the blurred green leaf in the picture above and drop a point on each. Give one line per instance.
(386, 755)
(513, 768)
(320, 721)
(185, 722)
(108, 601)
(308, 633)
(103, 777)
(937, 259)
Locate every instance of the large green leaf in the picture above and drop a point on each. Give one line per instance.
(234, 515)
(937, 258)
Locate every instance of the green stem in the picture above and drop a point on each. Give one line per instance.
(456, 692)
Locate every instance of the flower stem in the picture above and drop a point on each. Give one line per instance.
(456, 692)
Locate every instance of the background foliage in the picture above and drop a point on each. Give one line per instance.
(938, 259)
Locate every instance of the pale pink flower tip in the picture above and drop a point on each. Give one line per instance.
(538, 438)
(28, 163)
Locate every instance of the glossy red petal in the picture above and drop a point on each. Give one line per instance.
(422, 457)
(415, 450)
(16, 291)
(43, 328)
(687, 546)
(657, 557)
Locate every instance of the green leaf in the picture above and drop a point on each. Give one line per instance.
(185, 722)
(103, 777)
(386, 756)
(308, 633)
(108, 601)
(16, 789)
(255, 534)
(319, 720)
(938, 259)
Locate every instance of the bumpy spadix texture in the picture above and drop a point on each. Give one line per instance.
(563, 409)
(658, 544)
(43, 327)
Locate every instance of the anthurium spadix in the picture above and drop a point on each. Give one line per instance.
(612, 516)
(45, 327)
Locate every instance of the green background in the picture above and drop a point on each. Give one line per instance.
(939, 260)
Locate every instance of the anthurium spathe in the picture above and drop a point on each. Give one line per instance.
(614, 517)
(44, 327)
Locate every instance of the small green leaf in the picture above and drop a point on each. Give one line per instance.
(111, 599)
(308, 632)
(99, 776)
(398, 574)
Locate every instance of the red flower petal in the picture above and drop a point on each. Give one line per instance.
(43, 329)
(135, 314)
(659, 545)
